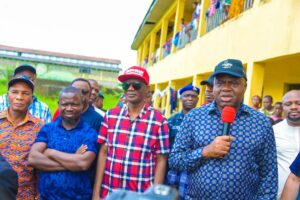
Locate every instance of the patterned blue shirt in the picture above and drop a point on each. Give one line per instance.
(176, 178)
(36, 108)
(66, 184)
(249, 171)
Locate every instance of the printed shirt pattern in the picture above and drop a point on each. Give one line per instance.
(36, 108)
(249, 171)
(15, 144)
(132, 148)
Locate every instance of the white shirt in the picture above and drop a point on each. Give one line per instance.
(101, 112)
(288, 146)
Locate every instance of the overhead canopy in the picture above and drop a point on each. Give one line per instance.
(155, 12)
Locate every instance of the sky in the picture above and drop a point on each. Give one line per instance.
(100, 28)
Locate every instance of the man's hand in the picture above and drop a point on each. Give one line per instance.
(218, 148)
(82, 149)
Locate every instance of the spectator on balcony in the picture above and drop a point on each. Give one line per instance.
(236, 8)
(37, 108)
(212, 8)
(196, 14)
(277, 115)
(267, 108)
(256, 102)
(226, 6)
(167, 46)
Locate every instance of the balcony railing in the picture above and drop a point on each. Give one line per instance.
(220, 17)
(188, 33)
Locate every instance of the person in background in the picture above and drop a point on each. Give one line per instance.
(134, 140)
(238, 165)
(291, 190)
(64, 151)
(189, 99)
(256, 102)
(277, 115)
(287, 136)
(100, 101)
(209, 96)
(37, 108)
(267, 108)
(149, 99)
(8, 181)
(18, 130)
(94, 96)
(89, 115)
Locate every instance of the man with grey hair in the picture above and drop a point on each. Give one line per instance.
(287, 136)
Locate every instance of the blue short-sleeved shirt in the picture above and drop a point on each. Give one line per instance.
(295, 166)
(93, 118)
(66, 184)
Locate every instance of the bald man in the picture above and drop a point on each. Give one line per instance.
(287, 136)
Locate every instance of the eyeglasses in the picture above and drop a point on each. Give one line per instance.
(135, 85)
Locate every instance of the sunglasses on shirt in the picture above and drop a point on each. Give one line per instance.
(135, 85)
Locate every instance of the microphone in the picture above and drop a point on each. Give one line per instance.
(228, 115)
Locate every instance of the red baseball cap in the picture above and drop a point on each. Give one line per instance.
(135, 72)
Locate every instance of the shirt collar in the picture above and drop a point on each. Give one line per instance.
(58, 121)
(28, 118)
(142, 112)
(244, 110)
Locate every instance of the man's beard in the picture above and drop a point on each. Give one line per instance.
(297, 119)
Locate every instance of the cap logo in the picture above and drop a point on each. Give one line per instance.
(135, 71)
(226, 65)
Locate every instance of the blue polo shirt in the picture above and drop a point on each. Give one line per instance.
(66, 184)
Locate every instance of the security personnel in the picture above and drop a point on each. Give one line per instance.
(189, 99)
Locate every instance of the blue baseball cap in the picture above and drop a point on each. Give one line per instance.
(230, 67)
(22, 78)
(100, 94)
(189, 87)
(24, 67)
(209, 81)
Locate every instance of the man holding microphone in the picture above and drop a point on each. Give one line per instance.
(238, 165)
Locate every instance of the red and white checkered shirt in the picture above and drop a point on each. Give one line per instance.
(132, 148)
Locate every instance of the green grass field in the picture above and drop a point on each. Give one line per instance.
(110, 99)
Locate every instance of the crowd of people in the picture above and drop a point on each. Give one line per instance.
(84, 152)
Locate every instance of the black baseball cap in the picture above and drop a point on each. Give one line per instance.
(209, 81)
(23, 79)
(24, 67)
(230, 67)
